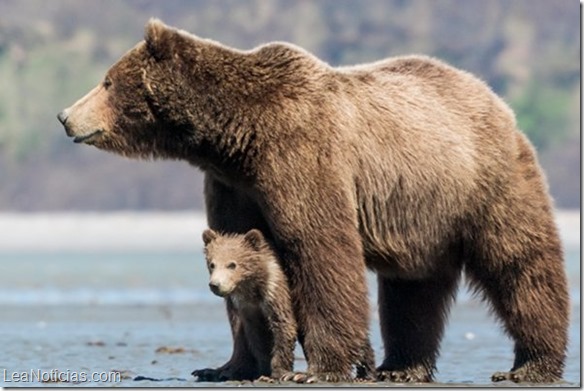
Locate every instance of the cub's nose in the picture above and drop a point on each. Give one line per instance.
(214, 288)
(62, 117)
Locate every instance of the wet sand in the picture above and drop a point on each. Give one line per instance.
(167, 342)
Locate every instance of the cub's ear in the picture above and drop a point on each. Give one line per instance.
(208, 236)
(159, 39)
(255, 239)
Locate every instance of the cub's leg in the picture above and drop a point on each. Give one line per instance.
(366, 366)
(242, 365)
(230, 211)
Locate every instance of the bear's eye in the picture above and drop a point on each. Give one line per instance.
(107, 82)
(231, 265)
(211, 266)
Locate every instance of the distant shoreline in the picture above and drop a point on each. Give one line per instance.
(148, 231)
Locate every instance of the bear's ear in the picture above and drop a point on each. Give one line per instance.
(255, 239)
(158, 38)
(208, 236)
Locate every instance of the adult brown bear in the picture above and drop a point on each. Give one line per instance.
(407, 166)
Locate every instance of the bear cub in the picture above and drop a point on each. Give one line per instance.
(245, 271)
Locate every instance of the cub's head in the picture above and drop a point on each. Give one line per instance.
(235, 262)
(137, 109)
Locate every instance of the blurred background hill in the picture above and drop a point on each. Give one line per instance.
(52, 52)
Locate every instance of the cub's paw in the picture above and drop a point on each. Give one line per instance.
(209, 375)
(226, 373)
(501, 376)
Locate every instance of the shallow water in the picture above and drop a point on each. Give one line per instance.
(169, 341)
(149, 313)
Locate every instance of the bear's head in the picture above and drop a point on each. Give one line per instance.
(235, 262)
(177, 96)
(137, 110)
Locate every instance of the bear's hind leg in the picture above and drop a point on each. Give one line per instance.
(524, 281)
(412, 316)
(515, 258)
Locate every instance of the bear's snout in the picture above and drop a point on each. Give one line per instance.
(62, 117)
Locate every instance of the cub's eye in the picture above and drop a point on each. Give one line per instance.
(107, 83)
(231, 265)
(211, 266)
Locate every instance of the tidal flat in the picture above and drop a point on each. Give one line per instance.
(99, 295)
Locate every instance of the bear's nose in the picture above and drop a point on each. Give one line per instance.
(62, 117)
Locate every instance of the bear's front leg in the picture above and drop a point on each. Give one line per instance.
(323, 259)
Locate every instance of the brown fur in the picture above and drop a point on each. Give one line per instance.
(244, 270)
(407, 166)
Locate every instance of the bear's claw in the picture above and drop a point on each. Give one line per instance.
(543, 370)
(403, 376)
(296, 377)
(517, 376)
(311, 378)
(265, 379)
(523, 375)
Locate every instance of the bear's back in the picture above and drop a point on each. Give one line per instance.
(420, 98)
(419, 77)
